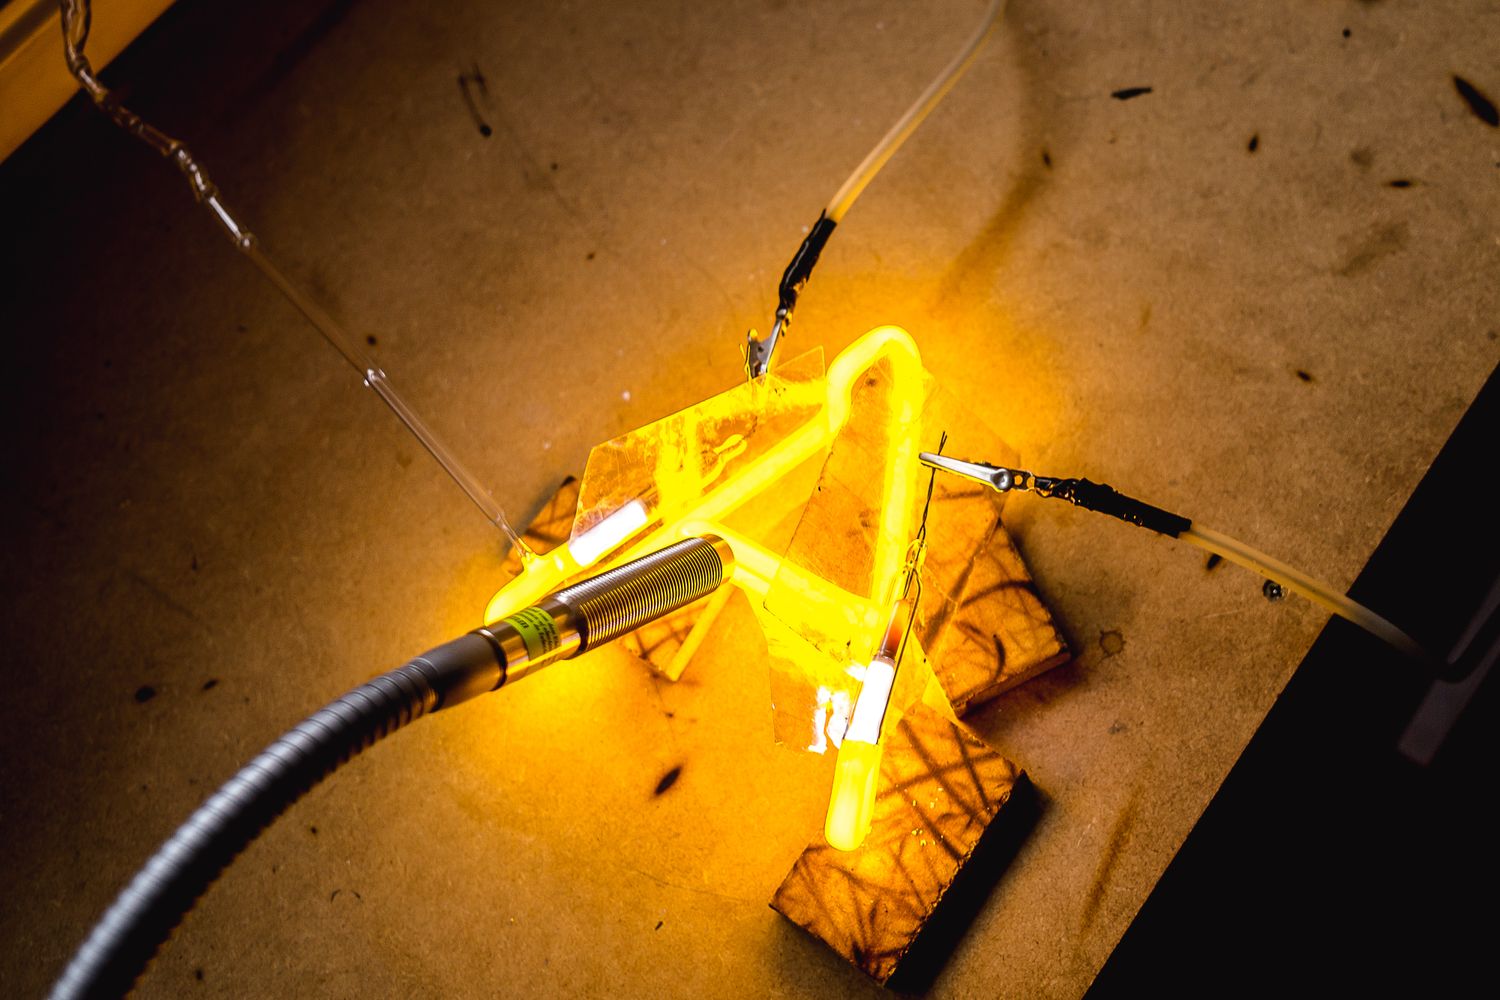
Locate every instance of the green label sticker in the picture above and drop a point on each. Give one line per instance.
(537, 630)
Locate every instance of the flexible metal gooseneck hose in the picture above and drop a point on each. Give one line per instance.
(572, 621)
(128, 935)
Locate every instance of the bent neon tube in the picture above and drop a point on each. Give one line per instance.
(856, 774)
(546, 573)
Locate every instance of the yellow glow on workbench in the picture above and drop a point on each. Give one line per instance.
(724, 459)
(690, 497)
(730, 458)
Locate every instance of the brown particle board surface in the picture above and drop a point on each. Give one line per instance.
(209, 527)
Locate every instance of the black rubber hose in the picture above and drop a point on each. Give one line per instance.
(143, 916)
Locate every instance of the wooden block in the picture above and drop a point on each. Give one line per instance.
(941, 789)
(981, 620)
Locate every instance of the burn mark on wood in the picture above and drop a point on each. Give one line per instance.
(1214, 559)
(1304, 376)
(1127, 93)
(210, 684)
(1381, 242)
(1118, 837)
(475, 78)
(999, 652)
(1254, 143)
(1482, 106)
(1400, 182)
(668, 780)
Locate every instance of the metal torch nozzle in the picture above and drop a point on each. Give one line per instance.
(592, 612)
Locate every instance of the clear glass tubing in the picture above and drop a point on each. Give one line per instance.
(377, 380)
(1295, 580)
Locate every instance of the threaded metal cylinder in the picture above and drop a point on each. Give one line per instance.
(629, 596)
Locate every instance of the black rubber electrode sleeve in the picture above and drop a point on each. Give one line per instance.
(806, 257)
(1107, 500)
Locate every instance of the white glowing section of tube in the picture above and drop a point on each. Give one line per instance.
(590, 546)
(830, 720)
(856, 774)
(869, 709)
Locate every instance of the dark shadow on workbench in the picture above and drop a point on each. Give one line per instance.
(966, 897)
(1328, 859)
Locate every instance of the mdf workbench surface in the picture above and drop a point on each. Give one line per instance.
(1162, 246)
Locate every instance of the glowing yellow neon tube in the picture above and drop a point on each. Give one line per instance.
(857, 771)
(856, 774)
(548, 572)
